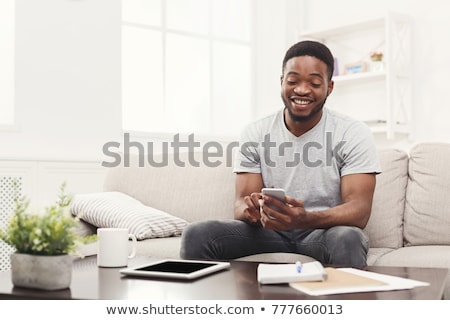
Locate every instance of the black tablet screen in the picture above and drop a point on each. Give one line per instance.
(176, 267)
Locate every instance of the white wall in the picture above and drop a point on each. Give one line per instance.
(277, 27)
(68, 79)
(68, 69)
(67, 87)
(67, 95)
(7, 20)
(430, 45)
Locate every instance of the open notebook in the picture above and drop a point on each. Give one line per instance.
(285, 273)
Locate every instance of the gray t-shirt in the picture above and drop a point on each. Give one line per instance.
(308, 167)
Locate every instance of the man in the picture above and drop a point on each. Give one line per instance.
(325, 161)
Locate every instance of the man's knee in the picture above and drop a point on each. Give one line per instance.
(347, 235)
(192, 240)
(192, 231)
(347, 245)
(199, 239)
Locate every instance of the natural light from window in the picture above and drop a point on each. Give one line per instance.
(186, 66)
(6, 63)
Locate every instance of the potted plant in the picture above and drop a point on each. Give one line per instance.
(43, 243)
(377, 61)
(376, 56)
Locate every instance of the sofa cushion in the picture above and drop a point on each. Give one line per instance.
(192, 186)
(161, 248)
(375, 253)
(427, 212)
(419, 256)
(84, 228)
(118, 210)
(385, 226)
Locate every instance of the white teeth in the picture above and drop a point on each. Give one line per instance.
(303, 102)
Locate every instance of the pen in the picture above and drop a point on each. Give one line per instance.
(298, 265)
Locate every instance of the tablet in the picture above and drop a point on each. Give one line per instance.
(176, 269)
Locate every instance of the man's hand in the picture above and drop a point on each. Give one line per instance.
(252, 213)
(282, 215)
(357, 193)
(248, 195)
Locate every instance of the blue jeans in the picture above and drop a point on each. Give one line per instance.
(232, 239)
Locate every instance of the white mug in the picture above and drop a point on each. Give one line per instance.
(113, 247)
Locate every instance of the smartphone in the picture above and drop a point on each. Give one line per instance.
(274, 192)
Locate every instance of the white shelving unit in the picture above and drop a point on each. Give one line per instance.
(381, 98)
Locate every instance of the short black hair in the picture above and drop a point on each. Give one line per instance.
(313, 49)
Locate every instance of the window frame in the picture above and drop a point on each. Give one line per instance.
(211, 39)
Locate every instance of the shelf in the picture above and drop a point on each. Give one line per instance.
(377, 126)
(358, 77)
(386, 94)
(345, 29)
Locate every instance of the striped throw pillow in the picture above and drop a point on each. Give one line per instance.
(119, 210)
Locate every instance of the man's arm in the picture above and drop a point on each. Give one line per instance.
(248, 193)
(357, 194)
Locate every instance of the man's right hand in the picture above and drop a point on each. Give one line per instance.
(248, 196)
(252, 213)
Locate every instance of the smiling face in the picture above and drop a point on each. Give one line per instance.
(304, 90)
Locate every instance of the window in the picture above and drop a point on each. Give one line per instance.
(186, 65)
(6, 63)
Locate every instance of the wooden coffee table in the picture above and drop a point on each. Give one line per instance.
(237, 283)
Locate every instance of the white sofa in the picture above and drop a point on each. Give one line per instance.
(409, 224)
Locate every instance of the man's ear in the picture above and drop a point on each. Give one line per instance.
(281, 79)
(330, 87)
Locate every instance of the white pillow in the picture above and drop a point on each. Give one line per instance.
(118, 210)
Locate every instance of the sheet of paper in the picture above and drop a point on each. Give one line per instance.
(348, 280)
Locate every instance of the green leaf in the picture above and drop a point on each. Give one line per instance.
(50, 233)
